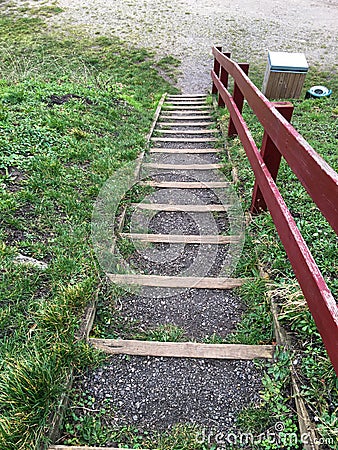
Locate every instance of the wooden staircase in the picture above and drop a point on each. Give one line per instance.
(185, 128)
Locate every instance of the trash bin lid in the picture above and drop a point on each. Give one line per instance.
(287, 62)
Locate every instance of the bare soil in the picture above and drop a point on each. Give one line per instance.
(187, 29)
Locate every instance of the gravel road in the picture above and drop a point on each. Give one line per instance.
(187, 29)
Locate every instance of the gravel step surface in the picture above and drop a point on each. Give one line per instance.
(166, 222)
(199, 312)
(157, 393)
(178, 158)
(182, 175)
(193, 260)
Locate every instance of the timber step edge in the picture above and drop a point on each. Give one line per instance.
(184, 102)
(183, 349)
(185, 124)
(182, 166)
(186, 117)
(210, 131)
(187, 108)
(193, 139)
(186, 184)
(176, 282)
(186, 96)
(184, 150)
(184, 112)
(182, 238)
(200, 208)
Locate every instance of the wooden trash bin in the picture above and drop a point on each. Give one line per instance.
(285, 75)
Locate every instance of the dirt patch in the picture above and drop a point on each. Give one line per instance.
(60, 100)
(187, 29)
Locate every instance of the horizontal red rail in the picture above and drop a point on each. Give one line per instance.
(318, 178)
(322, 305)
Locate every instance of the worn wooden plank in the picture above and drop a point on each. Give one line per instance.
(185, 150)
(182, 166)
(187, 96)
(193, 140)
(305, 425)
(211, 131)
(182, 102)
(183, 113)
(148, 137)
(186, 108)
(182, 238)
(177, 282)
(186, 184)
(184, 124)
(183, 349)
(183, 208)
(156, 116)
(185, 117)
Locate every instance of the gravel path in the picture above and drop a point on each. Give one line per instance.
(187, 29)
(157, 393)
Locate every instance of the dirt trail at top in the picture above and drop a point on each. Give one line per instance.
(187, 29)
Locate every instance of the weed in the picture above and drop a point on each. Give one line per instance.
(255, 326)
(276, 411)
(84, 427)
(163, 333)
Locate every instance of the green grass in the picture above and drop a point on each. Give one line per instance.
(83, 428)
(72, 111)
(317, 121)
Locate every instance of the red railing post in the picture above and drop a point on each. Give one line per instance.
(272, 158)
(238, 99)
(217, 67)
(224, 78)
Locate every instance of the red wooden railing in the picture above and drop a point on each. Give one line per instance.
(318, 178)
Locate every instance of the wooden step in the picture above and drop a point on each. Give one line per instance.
(186, 184)
(182, 238)
(213, 131)
(186, 108)
(183, 349)
(188, 112)
(185, 117)
(185, 101)
(182, 208)
(187, 96)
(192, 140)
(195, 151)
(176, 282)
(184, 124)
(182, 166)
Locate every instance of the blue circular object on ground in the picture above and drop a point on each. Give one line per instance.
(318, 92)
